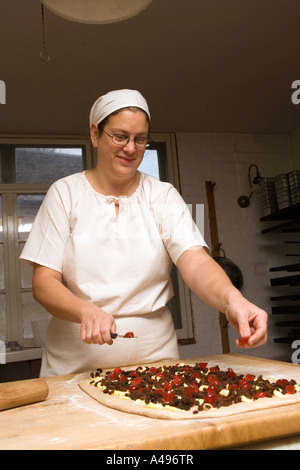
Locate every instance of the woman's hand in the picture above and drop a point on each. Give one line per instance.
(248, 319)
(96, 326)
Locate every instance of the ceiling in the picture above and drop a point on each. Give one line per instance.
(203, 66)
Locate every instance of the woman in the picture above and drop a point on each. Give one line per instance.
(102, 247)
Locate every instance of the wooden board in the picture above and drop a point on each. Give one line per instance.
(70, 419)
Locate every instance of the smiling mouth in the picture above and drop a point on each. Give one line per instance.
(126, 159)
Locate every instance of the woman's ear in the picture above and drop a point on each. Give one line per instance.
(94, 134)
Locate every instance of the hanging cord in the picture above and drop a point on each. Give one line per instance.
(43, 54)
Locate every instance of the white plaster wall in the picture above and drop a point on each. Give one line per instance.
(225, 159)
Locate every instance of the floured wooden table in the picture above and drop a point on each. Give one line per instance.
(70, 419)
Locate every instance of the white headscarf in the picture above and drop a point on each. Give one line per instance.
(114, 100)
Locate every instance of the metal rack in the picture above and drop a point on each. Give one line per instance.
(289, 219)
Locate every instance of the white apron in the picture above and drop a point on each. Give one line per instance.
(155, 340)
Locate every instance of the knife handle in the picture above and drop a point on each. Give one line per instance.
(114, 335)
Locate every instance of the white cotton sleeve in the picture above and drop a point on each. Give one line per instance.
(178, 229)
(50, 232)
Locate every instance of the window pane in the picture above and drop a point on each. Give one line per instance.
(149, 164)
(28, 206)
(1, 221)
(31, 311)
(174, 303)
(2, 282)
(2, 318)
(26, 271)
(2, 275)
(46, 165)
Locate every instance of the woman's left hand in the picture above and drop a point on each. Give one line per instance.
(249, 320)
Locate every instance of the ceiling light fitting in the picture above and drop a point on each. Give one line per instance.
(244, 201)
(96, 11)
(43, 54)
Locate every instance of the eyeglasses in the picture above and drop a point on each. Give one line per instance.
(122, 140)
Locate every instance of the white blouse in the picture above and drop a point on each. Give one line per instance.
(121, 263)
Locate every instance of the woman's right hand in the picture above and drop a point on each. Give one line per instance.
(49, 291)
(96, 326)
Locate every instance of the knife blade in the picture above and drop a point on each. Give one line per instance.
(127, 335)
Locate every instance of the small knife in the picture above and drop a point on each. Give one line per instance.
(127, 335)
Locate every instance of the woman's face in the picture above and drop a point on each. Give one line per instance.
(121, 161)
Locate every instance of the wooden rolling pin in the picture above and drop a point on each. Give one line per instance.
(19, 393)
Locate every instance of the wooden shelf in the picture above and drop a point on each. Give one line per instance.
(286, 281)
(286, 310)
(291, 212)
(289, 323)
(292, 297)
(286, 340)
(292, 226)
(287, 267)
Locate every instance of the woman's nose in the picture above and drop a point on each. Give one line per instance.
(130, 147)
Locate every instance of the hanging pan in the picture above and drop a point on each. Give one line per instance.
(231, 269)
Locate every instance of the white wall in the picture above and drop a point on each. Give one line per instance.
(225, 159)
